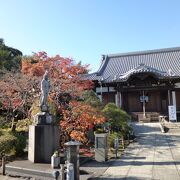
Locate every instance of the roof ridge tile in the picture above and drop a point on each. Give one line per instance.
(154, 51)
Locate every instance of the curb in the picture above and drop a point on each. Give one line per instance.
(27, 171)
(162, 128)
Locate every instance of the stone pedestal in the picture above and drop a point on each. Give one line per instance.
(72, 148)
(55, 161)
(101, 147)
(43, 141)
(43, 118)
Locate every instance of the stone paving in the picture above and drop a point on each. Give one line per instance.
(154, 155)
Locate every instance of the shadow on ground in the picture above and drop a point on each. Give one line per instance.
(118, 178)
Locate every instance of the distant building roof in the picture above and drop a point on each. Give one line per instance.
(118, 67)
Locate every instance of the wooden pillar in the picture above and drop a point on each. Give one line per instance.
(101, 94)
(3, 166)
(169, 98)
(118, 99)
(144, 106)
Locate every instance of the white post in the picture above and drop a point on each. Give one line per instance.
(70, 171)
(101, 91)
(174, 98)
(62, 172)
(120, 101)
(116, 99)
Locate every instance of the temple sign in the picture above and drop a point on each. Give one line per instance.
(172, 113)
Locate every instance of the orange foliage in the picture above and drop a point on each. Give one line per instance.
(79, 119)
(65, 75)
(17, 91)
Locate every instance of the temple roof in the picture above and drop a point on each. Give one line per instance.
(164, 63)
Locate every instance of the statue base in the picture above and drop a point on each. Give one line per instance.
(44, 108)
(43, 118)
(43, 141)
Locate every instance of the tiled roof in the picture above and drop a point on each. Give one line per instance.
(142, 69)
(118, 67)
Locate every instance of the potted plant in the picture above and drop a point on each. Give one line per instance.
(55, 160)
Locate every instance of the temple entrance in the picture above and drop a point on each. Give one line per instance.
(152, 101)
(146, 104)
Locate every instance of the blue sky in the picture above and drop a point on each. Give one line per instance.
(86, 29)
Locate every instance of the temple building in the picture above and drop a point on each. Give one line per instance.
(142, 83)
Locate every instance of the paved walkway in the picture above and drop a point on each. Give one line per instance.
(7, 178)
(154, 156)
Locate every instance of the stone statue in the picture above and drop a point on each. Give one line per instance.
(44, 117)
(44, 92)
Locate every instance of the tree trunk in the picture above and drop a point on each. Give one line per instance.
(3, 165)
(128, 138)
(13, 126)
(123, 146)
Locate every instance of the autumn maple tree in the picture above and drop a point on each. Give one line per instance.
(19, 90)
(65, 75)
(16, 95)
(78, 118)
(67, 88)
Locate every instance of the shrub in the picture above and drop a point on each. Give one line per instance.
(3, 121)
(111, 138)
(91, 98)
(117, 118)
(12, 143)
(7, 142)
(20, 144)
(100, 130)
(23, 125)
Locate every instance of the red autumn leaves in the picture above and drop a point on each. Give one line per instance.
(65, 76)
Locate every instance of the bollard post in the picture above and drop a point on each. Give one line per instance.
(70, 171)
(61, 171)
(116, 146)
(3, 165)
(55, 174)
(116, 151)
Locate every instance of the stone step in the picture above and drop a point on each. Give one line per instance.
(28, 173)
(172, 125)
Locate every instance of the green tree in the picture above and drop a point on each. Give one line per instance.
(91, 98)
(118, 120)
(10, 58)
